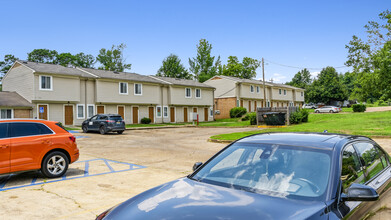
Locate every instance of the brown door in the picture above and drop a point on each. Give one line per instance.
(249, 106)
(151, 114)
(69, 115)
(135, 115)
(206, 114)
(43, 112)
(121, 111)
(241, 103)
(100, 109)
(172, 114)
(185, 115)
(255, 106)
(195, 110)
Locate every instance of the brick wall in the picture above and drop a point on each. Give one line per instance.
(224, 105)
(23, 113)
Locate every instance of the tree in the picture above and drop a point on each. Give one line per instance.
(5, 65)
(112, 59)
(203, 66)
(172, 67)
(301, 79)
(65, 59)
(84, 60)
(326, 88)
(245, 70)
(42, 56)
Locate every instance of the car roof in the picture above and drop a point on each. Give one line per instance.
(26, 120)
(326, 141)
(110, 114)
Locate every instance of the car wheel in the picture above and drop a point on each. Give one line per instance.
(317, 111)
(85, 129)
(331, 111)
(55, 164)
(120, 132)
(102, 130)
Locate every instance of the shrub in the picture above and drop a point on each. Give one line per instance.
(299, 116)
(246, 117)
(145, 120)
(359, 108)
(304, 115)
(253, 118)
(237, 112)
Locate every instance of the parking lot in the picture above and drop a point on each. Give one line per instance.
(111, 169)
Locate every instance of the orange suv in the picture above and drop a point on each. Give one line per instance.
(28, 144)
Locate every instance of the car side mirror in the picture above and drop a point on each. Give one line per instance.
(359, 192)
(196, 165)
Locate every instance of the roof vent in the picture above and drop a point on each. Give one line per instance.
(116, 72)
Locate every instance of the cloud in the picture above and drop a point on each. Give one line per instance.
(277, 78)
(314, 74)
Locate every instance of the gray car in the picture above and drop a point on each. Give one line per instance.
(328, 109)
(104, 123)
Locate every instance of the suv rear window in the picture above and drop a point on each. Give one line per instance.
(3, 130)
(116, 118)
(21, 129)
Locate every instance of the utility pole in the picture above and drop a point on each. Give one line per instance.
(263, 78)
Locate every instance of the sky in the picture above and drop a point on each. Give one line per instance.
(299, 34)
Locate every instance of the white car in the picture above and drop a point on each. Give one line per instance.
(330, 109)
(309, 106)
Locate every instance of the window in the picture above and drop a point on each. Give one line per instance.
(284, 92)
(80, 111)
(251, 88)
(198, 93)
(351, 169)
(28, 129)
(3, 130)
(188, 93)
(138, 89)
(237, 103)
(90, 110)
(158, 111)
(211, 112)
(165, 111)
(123, 88)
(45, 83)
(302, 94)
(279, 91)
(370, 159)
(258, 90)
(6, 113)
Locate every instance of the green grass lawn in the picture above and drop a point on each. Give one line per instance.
(151, 125)
(229, 122)
(72, 128)
(372, 124)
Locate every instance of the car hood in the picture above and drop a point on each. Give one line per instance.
(188, 199)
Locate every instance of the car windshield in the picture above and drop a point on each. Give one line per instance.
(276, 170)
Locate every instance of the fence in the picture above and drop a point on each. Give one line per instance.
(288, 110)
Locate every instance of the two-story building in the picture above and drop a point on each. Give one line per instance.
(249, 93)
(70, 95)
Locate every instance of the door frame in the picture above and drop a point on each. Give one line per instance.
(104, 109)
(154, 113)
(174, 114)
(47, 106)
(187, 114)
(73, 112)
(124, 110)
(138, 113)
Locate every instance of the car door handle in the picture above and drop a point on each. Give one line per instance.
(45, 142)
(4, 146)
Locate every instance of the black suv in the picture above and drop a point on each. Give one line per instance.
(104, 123)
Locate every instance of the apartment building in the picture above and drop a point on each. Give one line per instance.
(249, 93)
(70, 95)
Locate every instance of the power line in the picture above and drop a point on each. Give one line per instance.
(296, 67)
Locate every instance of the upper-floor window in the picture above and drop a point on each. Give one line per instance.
(6, 113)
(188, 93)
(45, 82)
(284, 91)
(138, 89)
(198, 93)
(302, 93)
(123, 88)
(279, 91)
(251, 88)
(258, 90)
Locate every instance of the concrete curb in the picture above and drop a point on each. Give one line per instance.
(219, 141)
(159, 127)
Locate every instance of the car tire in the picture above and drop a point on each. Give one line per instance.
(102, 129)
(331, 111)
(85, 129)
(317, 111)
(120, 132)
(55, 164)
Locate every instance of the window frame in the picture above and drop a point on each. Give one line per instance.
(51, 83)
(165, 107)
(161, 111)
(93, 110)
(12, 112)
(301, 94)
(141, 89)
(280, 91)
(127, 88)
(196, 94)
(187, 88)
(285, 92)
(210, 112)
(252, 88)
(77, 111)
(258, 89)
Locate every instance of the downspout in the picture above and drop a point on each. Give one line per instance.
(85, 98)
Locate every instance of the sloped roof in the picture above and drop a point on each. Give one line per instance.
(121, 75)
(54, 69)
(260, 82)
(13, 99)
(182, 82)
